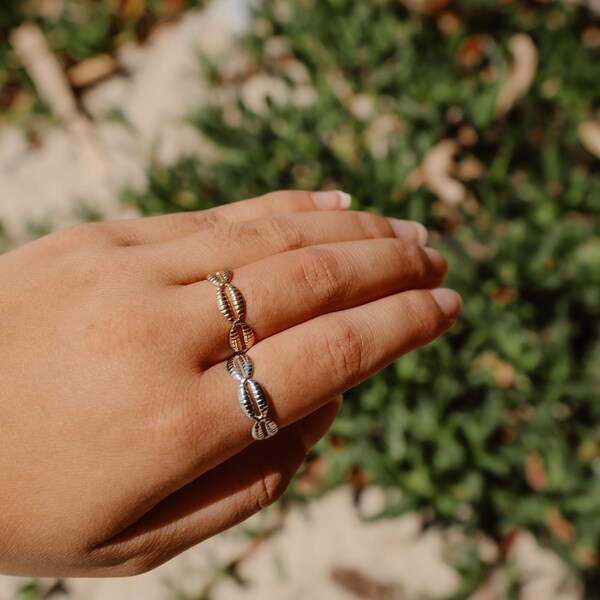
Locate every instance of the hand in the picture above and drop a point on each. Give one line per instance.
(122, 442)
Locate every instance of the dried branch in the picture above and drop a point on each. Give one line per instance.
(46, 72)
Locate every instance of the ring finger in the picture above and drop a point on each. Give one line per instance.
(300, 368)
(293, 287)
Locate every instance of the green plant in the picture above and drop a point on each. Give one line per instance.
(495, 426)
(76, 30)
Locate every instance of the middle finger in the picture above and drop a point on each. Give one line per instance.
(231, 245)
(293, 287)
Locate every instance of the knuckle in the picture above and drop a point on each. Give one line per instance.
(272, 197)
(371, 226)
(124, 558)
(264, 492)
(411, 252)
(269, 489)
(418, 261)
(323, 276)
(274, 478)
(197, 220)
(95, 233)
(206, 218)
(289, 197)
(228, 234)
(283, 234)
(137, 564)
(146, 556)
(425, 319)
(348, 349)
(415, 260)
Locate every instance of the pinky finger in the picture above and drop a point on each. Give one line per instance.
(219, 499)
(334, 352)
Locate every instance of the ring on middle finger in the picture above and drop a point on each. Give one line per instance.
(233, 307)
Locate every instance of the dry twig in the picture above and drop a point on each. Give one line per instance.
(53, 87)
(520, 77)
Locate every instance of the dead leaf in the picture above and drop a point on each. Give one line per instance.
(467, 136)
(358, 479)
(132, 9)
(505, 295)
(479, 251)
(472, 51)
(437, 165)
(92, 70)
(587, 557)
(427, 7)
(591, 37)
(449, 22)
(173, 7)
(521, 74)
(310, 481)
(587, 451)
(362, 585)
(520, 414)
(380, 131)
(501, 370)
(507, 543)
(469, 168)
(561, 529)
(589, 134)
(493, 587)
(360, 106)
(535, 471)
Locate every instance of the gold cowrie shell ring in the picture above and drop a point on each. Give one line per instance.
(233, 307)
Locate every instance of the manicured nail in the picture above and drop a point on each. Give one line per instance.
(422, 233)
(449, 301)
(332, 199)
(409, 230)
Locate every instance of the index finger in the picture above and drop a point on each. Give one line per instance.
(163, 228)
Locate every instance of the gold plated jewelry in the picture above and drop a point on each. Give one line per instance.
(251, 396)
(233, 307)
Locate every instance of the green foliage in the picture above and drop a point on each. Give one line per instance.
(495, 426)
(30, 591)
(76, 30)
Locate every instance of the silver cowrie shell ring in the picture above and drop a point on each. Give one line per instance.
(251, 396)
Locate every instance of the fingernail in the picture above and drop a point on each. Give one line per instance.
(331, 200)
(449, 301)
(438, 261)
(409, 230)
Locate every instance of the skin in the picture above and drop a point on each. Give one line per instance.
(122, 440)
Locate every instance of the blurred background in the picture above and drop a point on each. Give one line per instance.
(467, 470)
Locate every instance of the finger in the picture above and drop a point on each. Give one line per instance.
(221, 498)
(291, 288)
(318, 359)
(299, 369)
(189, 259)
(151, 230)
